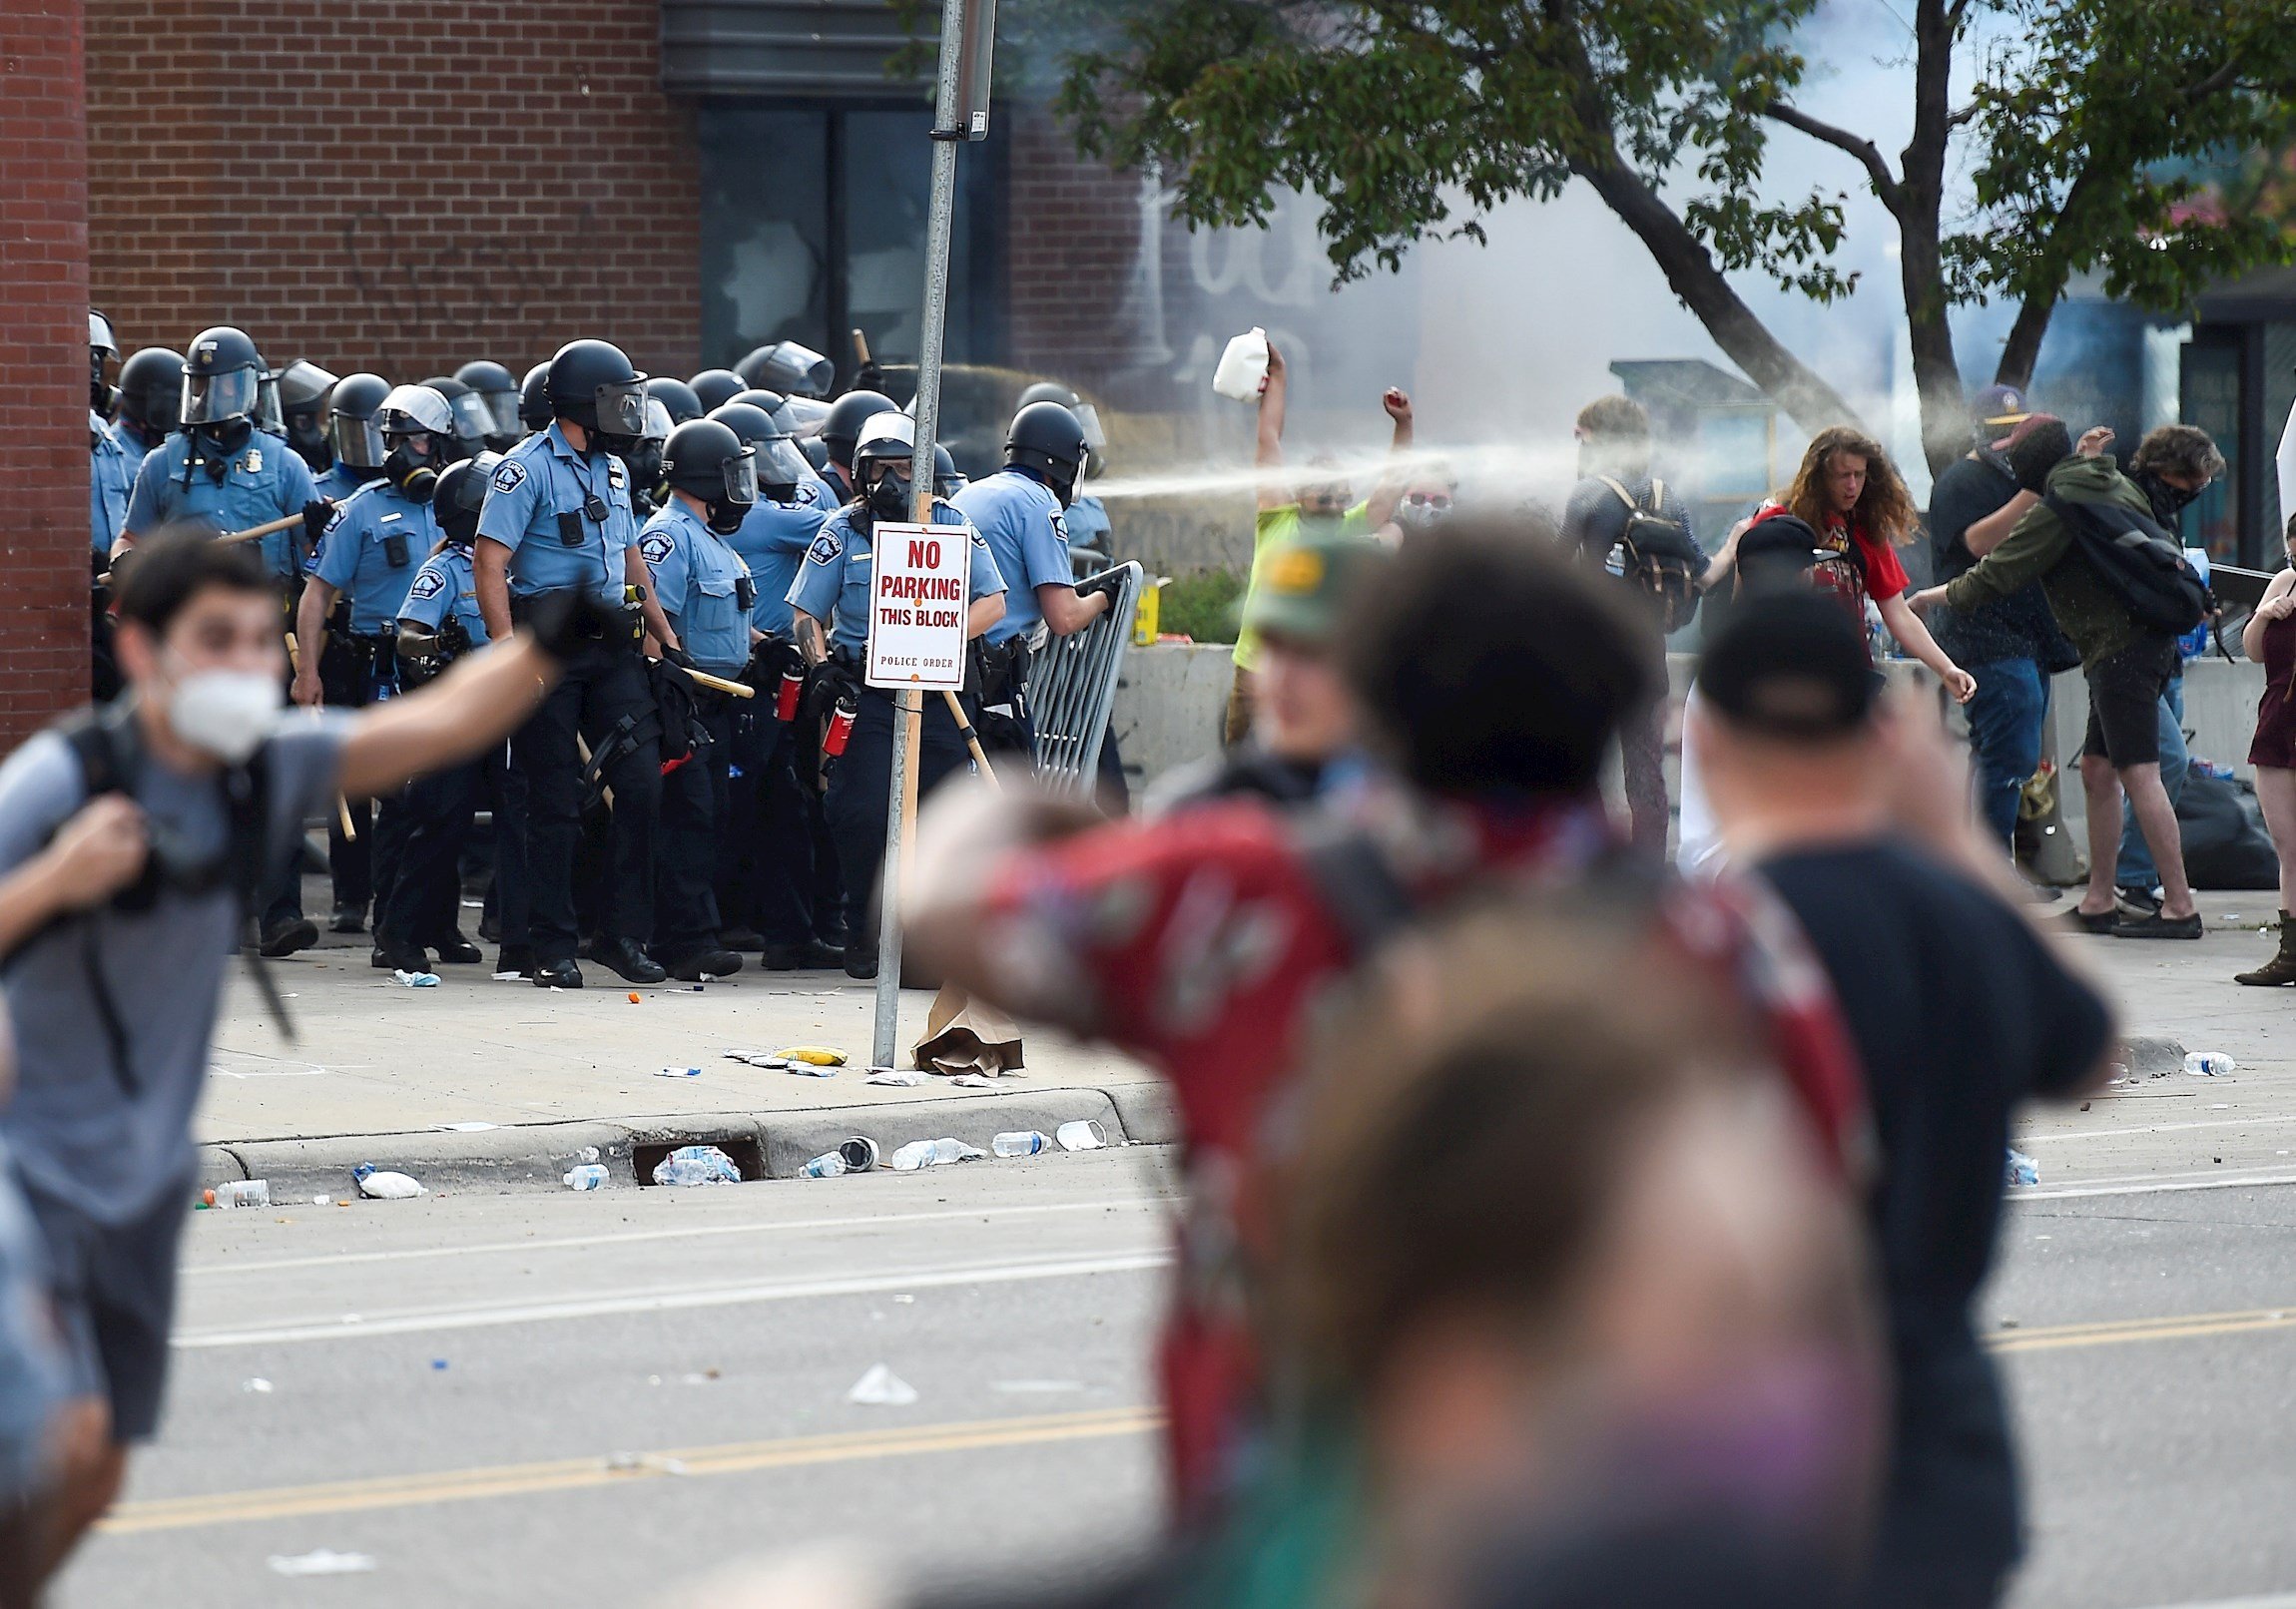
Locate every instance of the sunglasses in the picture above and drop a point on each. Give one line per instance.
(1433, 500)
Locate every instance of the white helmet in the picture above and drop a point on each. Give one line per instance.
(416, 408)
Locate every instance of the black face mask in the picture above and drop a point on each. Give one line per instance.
(415, 477)
(890, 498)
(220, 443)
(723, 518)
(621, 448)
(2168, 501)
(645, 464)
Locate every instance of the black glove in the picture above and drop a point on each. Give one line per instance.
(869, 377)
(1109, 581)
(678, 657)
(565, 623)
(315, 514)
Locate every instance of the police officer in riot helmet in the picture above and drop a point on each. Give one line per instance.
(497, 393)
(1088, 525)
(534, 399)
(353, 435)
(559, 517)
(103, 350)
(831, 597)
(647, 492)
(303, 388)
(471, 420)
(715, 387)
(947, 479)
(842, 430)
(675, 395)
(151, 389)
(111, 466)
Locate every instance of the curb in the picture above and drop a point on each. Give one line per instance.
(765, 1145)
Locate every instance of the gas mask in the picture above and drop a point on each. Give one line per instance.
(414, 474)
(224, 713)
(2168, 501)
(888, 495)
(621, 448)
(221, 442)
(645, 464)
(724, 517)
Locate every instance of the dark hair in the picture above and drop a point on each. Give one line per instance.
(1488, 664)
(165, 570)
(1615, 420)
(2181, 449)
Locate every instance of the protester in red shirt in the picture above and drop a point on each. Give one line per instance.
(1849, 492)
(1493, 676)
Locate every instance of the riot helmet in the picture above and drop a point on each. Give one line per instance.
(947, 479)
(472, 422)
(645, 455)
(460, 494)
(1095, 439)
(151, 391)
(534, 399)
(223, 387)
(715, 387)
(593, 384)
(705, 458)
(775, 406)
(784, 365)
(271, 417)
(417, 425)
(498, 395)
(675, 395)
(1047, 438)
(782, 468)
(881, 457)
(302, 393)
(352, 429)
(847, 415)
(102, 349)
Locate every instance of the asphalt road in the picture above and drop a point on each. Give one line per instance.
(543, 1400)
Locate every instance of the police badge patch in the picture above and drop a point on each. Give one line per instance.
(826, 548)
(510, 476)
(430, 584)
(656, 547)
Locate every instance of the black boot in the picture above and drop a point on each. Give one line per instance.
(628, 959)
(2282, 967)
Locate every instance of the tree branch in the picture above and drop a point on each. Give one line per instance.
(2223, 78)
(1966, 114)
(1885, 182)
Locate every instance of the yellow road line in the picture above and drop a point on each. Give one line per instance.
(2176, 1327)
(572, 1474)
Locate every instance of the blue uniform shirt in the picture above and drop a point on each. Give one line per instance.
(535, 502)
(356, 553)
(1021, 519)
(445, 586)
(1088, 525)
(815, 492)
(773, 542)
(696, 578)
(263, 481)
(833, 583)
(111, 466)
(341, 480)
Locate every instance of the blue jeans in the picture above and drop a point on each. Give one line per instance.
(2135, 869)
(2005, 734)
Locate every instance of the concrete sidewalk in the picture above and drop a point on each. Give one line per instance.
(504, 1084)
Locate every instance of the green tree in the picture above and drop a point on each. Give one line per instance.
(1411, 119)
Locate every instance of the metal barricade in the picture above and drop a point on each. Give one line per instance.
(1073, 689)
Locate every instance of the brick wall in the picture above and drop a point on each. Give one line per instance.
(43, 365)
(1070, 268)
(391, 185)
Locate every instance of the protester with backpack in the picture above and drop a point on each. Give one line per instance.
(2118, 583)
(1623, 518)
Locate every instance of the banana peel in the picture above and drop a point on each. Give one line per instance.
(816, 1056)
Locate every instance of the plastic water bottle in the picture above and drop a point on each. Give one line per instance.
(589, 1176)
(933, 1154)
(697, 1164)
(1020, 1143)
(2208, 1063)
(244, 1193)
(828, 1165)
(2023, 1170)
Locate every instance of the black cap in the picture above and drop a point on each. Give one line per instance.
(1775, 552)
(1790, 664)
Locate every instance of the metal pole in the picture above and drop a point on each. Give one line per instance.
(901, 798)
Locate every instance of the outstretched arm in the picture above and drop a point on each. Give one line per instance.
(1381, 506)
(1269, 453)
(1915, 638)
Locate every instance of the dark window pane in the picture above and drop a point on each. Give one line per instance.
(765, 251)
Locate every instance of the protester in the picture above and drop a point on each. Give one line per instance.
(1856, 816)
(131, 845)
(2011, 644)
(1491, 678)
(2127, 661)
(2269, 640)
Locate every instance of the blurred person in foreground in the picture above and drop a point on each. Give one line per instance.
(1304, 737)
(133, 839)
(1855, 813)
(2269, 640)
(1490, 679)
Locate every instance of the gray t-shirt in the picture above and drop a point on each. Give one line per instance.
(32, 1370)
(110, 1139)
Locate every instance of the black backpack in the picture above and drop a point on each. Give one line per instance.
(2141, 561)
(1661, 559)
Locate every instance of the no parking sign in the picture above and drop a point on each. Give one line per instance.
(919, 581)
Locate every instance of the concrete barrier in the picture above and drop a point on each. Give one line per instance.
(1171, 706)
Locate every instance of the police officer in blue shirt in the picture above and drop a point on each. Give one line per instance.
(369, 552)
(110, 468)
(832, 596)
(354, 436)
(708, 595)
(769, 888)
(151, 391)
(840, 429)
(558, 516)
(416, 909)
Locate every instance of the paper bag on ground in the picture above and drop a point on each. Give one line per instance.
(962, 1035)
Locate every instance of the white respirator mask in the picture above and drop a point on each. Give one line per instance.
(227, 714)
